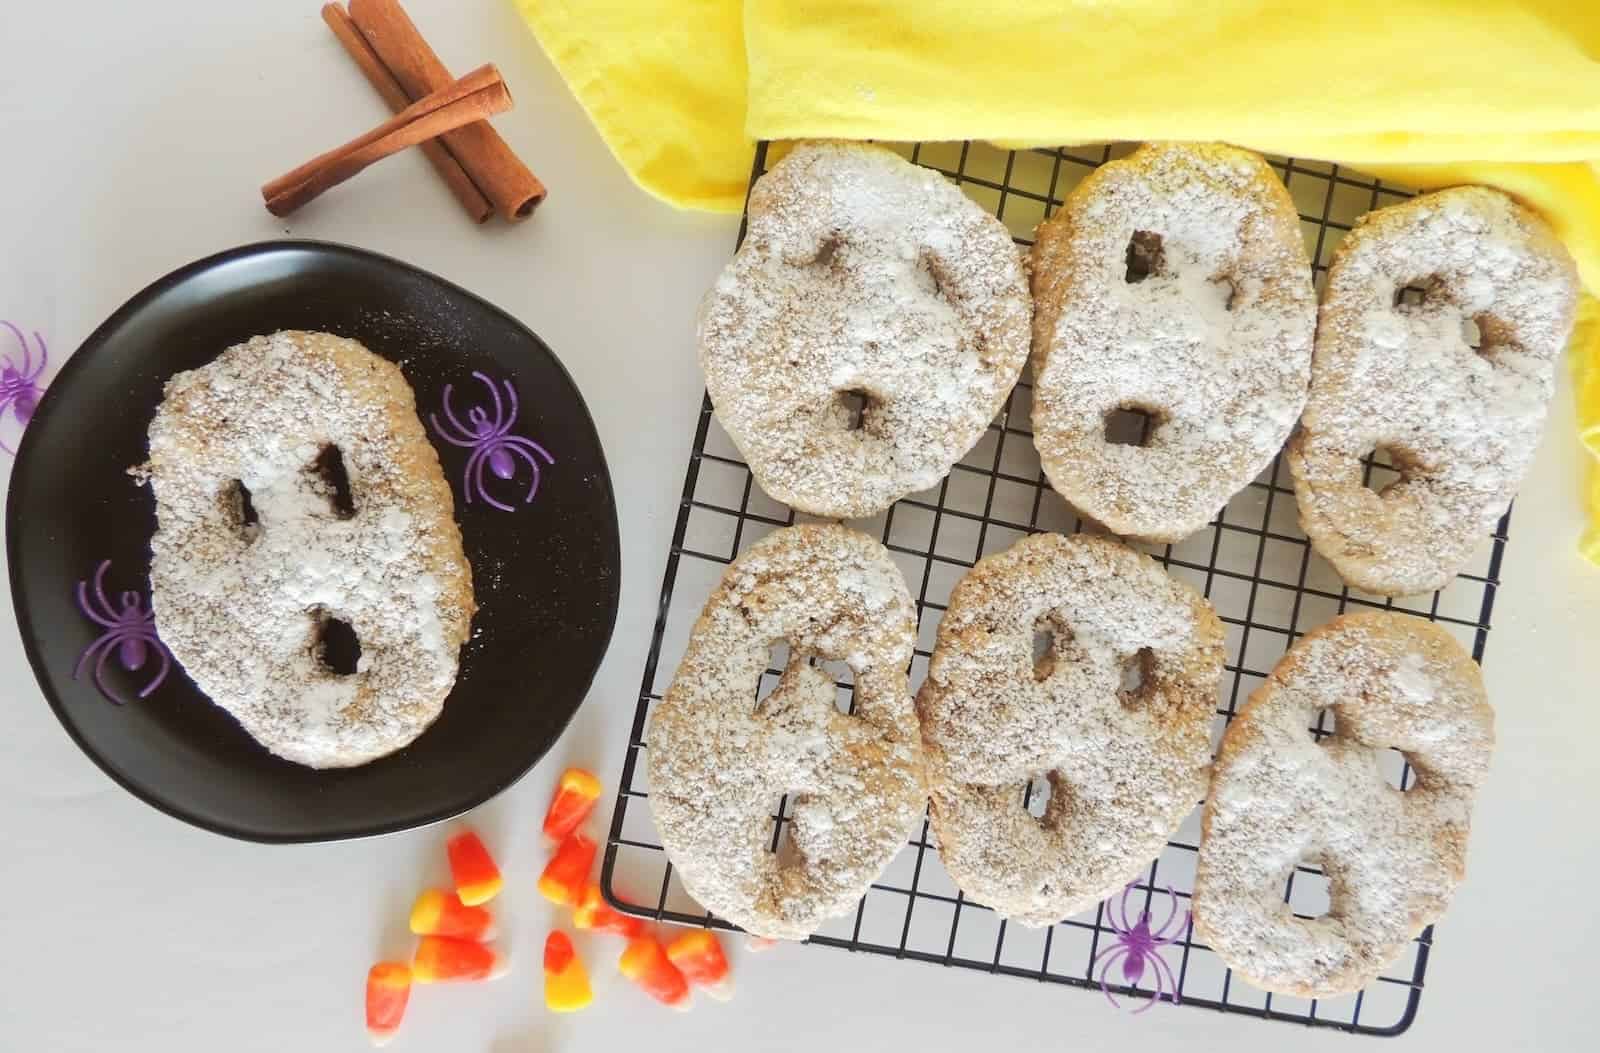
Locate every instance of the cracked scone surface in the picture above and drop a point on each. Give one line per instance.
(1279, 799)
(1115, 714)
(867, 331)
(719, 762)
(242, 605)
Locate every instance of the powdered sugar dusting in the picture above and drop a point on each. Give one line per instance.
(1279, 799)
(1460, 423)
(241, 605)
(1173, 282)
(862, 276)
(1124, 768)
(719, 762)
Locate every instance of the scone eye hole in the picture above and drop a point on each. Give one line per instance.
(244, 510)
(827, 251)
(329, 465)
(1132, 425)
(1044, 649)
(1386, 466)
(1144, 256)
(1138, 675)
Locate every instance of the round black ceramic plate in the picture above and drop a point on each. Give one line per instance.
(545, 575)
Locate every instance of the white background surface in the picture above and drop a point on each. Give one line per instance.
(135, 136)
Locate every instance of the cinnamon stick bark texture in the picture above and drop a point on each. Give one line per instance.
(444, 162)
(499, 173)
(480, 94)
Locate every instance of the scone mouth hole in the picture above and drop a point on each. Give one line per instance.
(1036, 794)
(1132, 424)
(1144, 257)
(827, 251)
(1310, 892)
(1138, 677)
(860, 408)
(844, 684)
(337, 646)
(1386, 467)
(1419, 294)
(329, 468)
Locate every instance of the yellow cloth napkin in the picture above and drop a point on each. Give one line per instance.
(1426, 93)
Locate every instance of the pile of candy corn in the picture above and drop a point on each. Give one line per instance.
(454, 929)
(663, 972)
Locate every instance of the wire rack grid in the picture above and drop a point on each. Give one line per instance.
(1252, 562)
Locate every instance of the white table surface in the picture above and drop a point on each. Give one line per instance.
(135, 136)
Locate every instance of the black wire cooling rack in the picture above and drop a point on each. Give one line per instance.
(1252, 562)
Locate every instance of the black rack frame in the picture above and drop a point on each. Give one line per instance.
(1276, 593)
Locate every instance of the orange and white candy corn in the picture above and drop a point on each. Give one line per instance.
(575, 796)
(445, 959)
(645, 962)
(438, 912)
(388, 990)
(698, 956)
(567, 872)
(566, 983)
(594, 914)
(472, 869)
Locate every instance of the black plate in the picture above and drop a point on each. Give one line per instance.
(545, 575)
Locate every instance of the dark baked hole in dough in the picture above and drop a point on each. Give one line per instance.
(1138, 673)
(1227, 290)
(826, 251)
(1144, 257)
(329, 465)
(1131, 425)
(1472, 334)
(338, 647)
(245, 509)
(1322, 726)
(1044, 650)
(1036, 795)
(859, 404)
(1397, 770)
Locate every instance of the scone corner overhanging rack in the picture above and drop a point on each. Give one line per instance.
(1253, 562)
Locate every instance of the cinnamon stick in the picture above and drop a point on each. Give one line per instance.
(444, 162)
(498, 172)
(478, 95)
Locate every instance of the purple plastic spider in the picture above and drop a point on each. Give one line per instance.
(488, 436)
(19, 385)
(130, 631)
(1137, 946)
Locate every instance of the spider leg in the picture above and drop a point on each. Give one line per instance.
(87, 607)
(99, 677)
(501, 422)
(166, 665)
(475, 465)
(470, 436)
(1105, 989)
(1162, 940)
(1123, 905)
(3, 445)
(517, 440)
(1173, 913)
(44, 354)
(1161, 968)
(443, 433)
(532, 463)
(108, 640)
(516, 407)
(22, 341)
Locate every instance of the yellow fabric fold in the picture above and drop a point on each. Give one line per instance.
(1501, 92)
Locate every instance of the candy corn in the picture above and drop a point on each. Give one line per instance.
(698, 956)
(441, 913)
(574, 800)
(566, 984)
(388, 989)
(477, 878)
(646, 964)
(442, 959)
(595, 914)
(568, 871)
